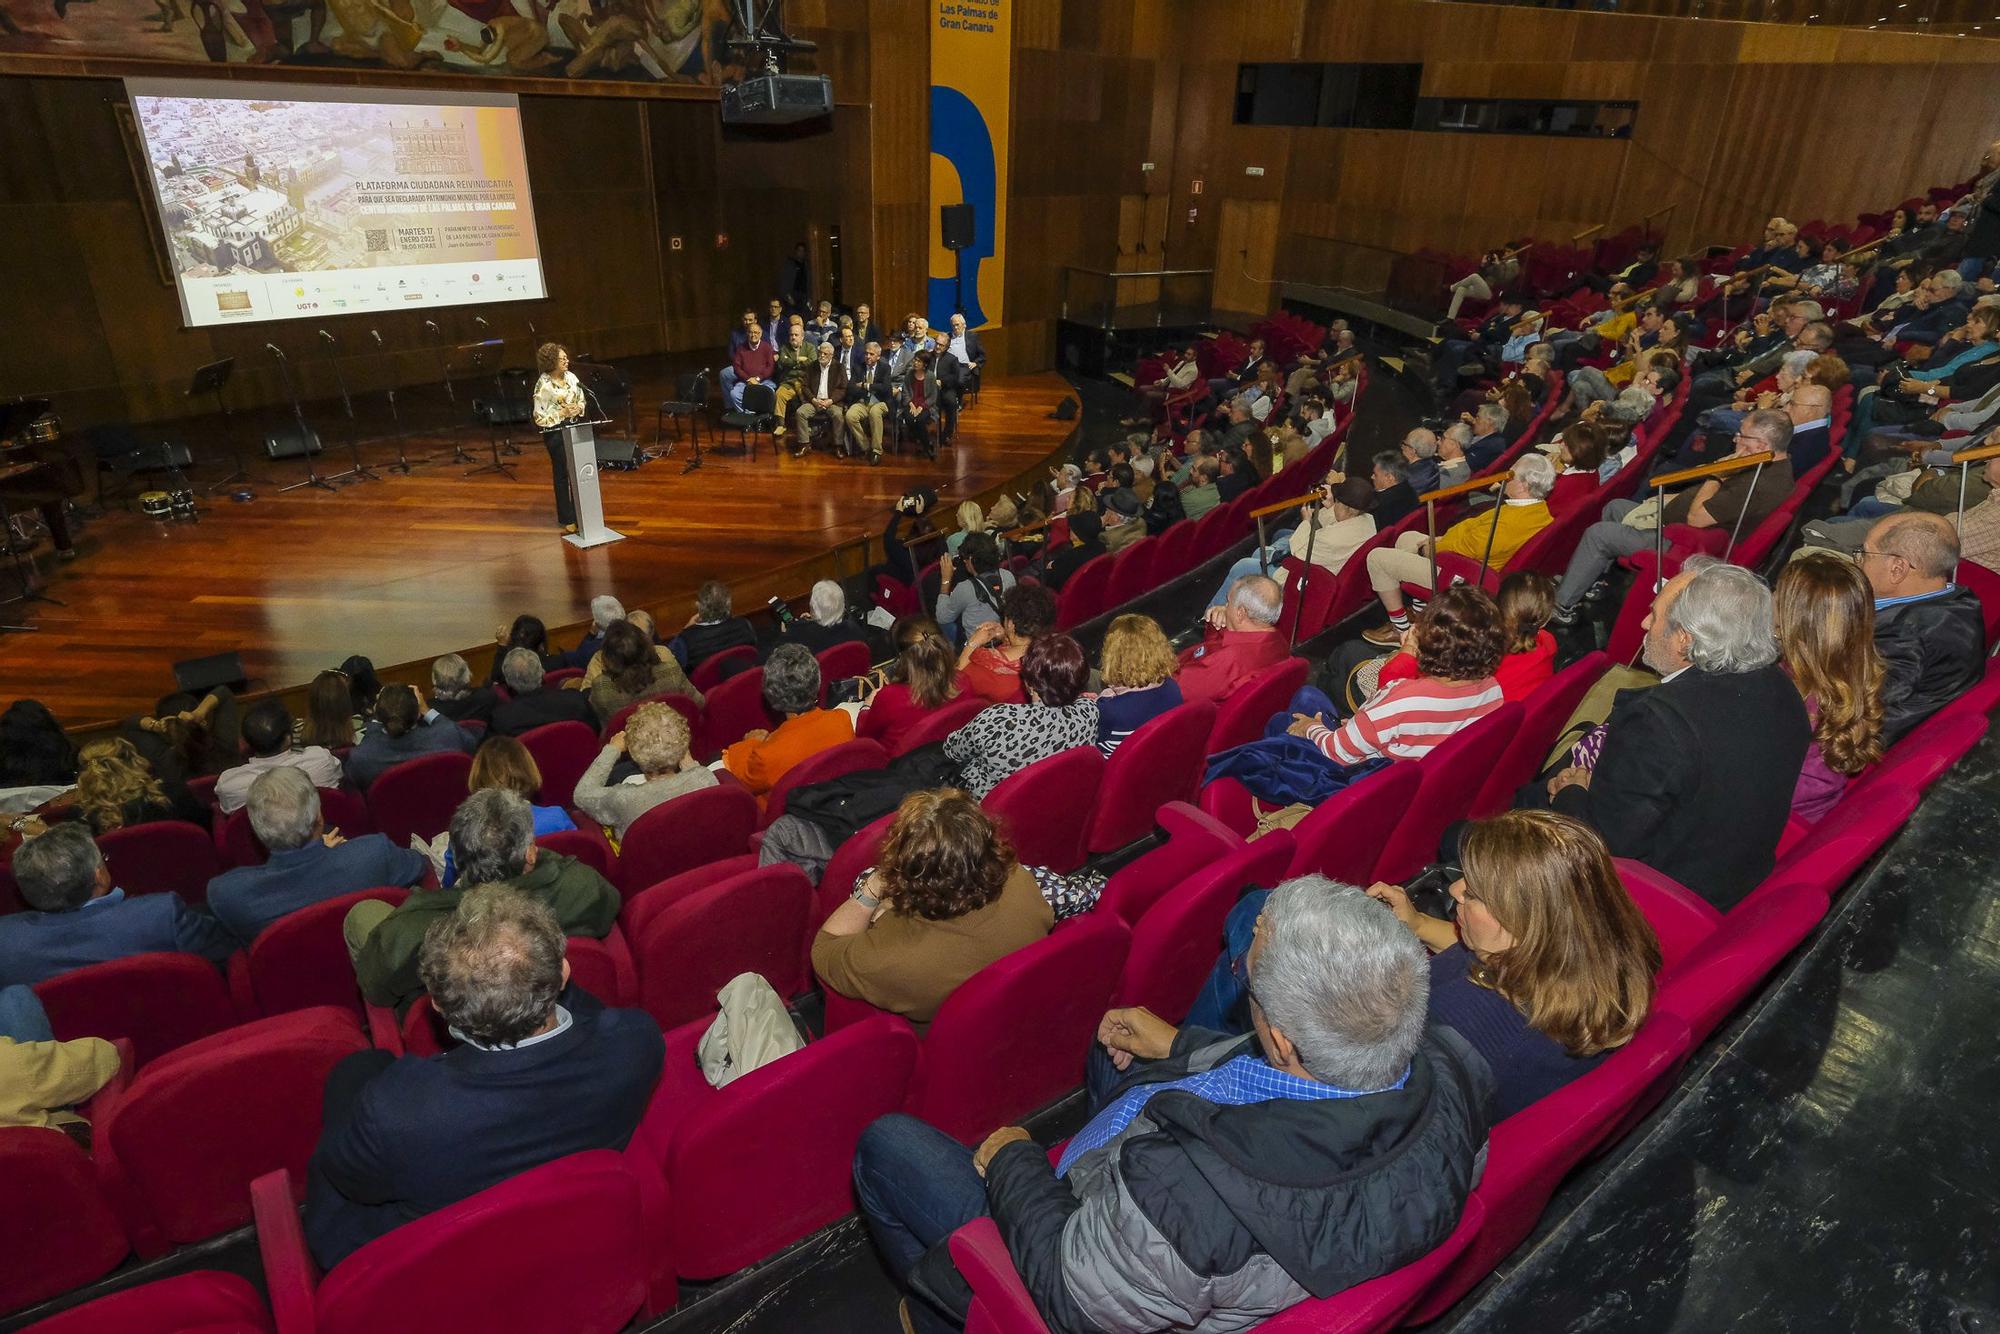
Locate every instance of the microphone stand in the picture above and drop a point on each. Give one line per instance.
(306, 438)
(360, 472)
(402, 463)
(458, 454)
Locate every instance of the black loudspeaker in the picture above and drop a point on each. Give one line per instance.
(199, 675)
(956, 223)
(286, 442)
(1065, 410)
(617, 452)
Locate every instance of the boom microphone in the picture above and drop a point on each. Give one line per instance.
(327, 336)
(376, 334)
(275, 350)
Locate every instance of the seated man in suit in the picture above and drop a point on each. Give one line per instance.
(964, 345)
(453, 695)
(492, 842)
(869, 392)
(1489, 436)
(267, 735)
(308, 862)
(76, 918)
(1696, 775)
(533, 703)
(825, 389)
(1930, 631)
(828, 625)
(543, 1072)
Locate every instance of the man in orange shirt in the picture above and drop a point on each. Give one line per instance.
(1242, 640)
(791, 689)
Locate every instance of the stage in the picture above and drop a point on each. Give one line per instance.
(413, 566)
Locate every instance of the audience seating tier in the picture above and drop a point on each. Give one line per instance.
(206, 1301)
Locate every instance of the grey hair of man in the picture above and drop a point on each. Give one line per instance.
(791, 680)
(284, 808)
(1491, 417)
(713, 601)
(1770, 426)
(495, 966)
(605, 612)
(1816, 337)
(829, 604)
(521, 669)
(492, 833)
(1347, 983)
(1632, 406)
(1459, 434)
(1422, 443)
(1257, 598)
(1948, 281)
(451, 677)
(57, 871)
(1927, 542)
(1536, 474)
(1725, 611)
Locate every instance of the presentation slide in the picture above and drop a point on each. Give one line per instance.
(279, 201)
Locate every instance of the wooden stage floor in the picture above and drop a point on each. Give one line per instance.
(414, 566)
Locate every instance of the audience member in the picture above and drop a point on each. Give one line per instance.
(827, 623)
(1739, 501)
(529, 633)
(1123, 521)
(1579, 453)
(453, 694)
(76, 918)
(1491, 539)
(42, 1079)
(1157, 1196)
(116, 788)
(1395, 498)
(493, 839)
(1420, 465)
(1930, 631)
(713, 628)
(1696, 774)
(633, 671)
(970, 587)
(1006, 738)
(1137, 667)
(503, 762)
(753, 362)
(35, 752)
(869, 394)
(1824, 614)
(924, 677)
(1334, 526)
(403, 729)
(1241, 639)
(1203, 491)
(1458, 644)
(990, 663)
(544, 1071)
(532, 704)
(947, 897)
(1549, 965)
(1525, 601)
(791, 692)
(656, 738)
(267, 737)
(330, 721)
(308, 862)
(605, 612)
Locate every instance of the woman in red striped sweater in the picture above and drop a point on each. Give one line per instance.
(1459, 642)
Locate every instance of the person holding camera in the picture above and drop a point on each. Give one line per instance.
(970, 586)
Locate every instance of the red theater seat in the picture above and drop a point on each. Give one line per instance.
(301, 959)
(418, 797)
(1045, 809)
(689, 947)
(1160, 762)
(690, 830)
(57, 1232)
(157, 1001)
(204, 1302)
(161, 857)
(1175, 944)
(562, 752)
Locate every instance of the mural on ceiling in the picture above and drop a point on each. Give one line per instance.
(652, 41)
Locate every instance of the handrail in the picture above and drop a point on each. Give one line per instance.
(1976, 453)
(1025, 530)
(1722, 468)
(1645, 219)
(1587, 233)
(1463, 488)
(1275, 506)
(1138, 273)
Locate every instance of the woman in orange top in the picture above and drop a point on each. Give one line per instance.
(791, 689)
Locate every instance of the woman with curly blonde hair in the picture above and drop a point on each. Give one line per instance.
(1137, 666)
(1825, 619)
(115, 787)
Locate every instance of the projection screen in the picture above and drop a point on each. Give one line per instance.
(280, 201)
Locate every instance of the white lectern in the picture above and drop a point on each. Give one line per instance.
(580, 457)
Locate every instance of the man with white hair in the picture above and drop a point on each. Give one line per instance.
(531, 704)
(1219, 1179)
(1929, 630)
(1420, 450)
(1489, 436)
(309, 863)
(1242, 639)
(605, 611)
(1493, 536)
(828, 623)
(1696, 775)
(1740, 501)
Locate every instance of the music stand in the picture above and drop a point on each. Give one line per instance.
(360, 471)
(306, 437)
(213, 380)
(476, 356)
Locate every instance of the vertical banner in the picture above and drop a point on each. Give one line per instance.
(972, 75)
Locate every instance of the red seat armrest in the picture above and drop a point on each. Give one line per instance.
(289, 1272)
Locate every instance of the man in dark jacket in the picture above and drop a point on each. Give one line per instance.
(713, 627)
(1088, 530)
(533, 703)
(1696, 775)
(534, 1080)
(1220, 1180)
(1930, 632)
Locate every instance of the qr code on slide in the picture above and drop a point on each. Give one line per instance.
(378, 239)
